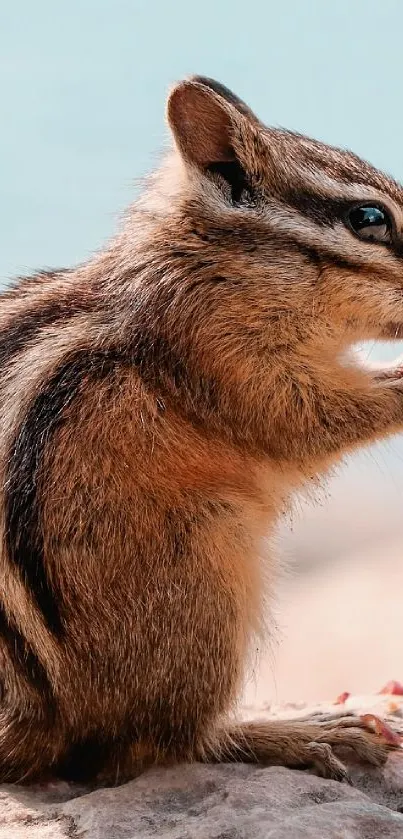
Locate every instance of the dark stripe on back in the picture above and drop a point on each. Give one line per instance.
(23, 328)
(24, 538)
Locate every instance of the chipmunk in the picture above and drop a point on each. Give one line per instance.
(160, 404)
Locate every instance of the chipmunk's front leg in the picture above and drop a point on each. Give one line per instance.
(345, 418)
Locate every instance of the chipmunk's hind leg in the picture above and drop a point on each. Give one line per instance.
(298, 745)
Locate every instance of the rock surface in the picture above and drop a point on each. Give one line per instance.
(220, 802)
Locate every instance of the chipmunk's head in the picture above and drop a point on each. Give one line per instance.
(300, 229)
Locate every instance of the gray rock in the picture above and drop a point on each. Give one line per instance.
(210, 802)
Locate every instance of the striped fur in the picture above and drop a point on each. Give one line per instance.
(159, 405)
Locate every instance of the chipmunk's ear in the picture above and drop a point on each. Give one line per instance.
(201, 123)
(207, 121)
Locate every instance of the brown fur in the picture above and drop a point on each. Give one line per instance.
(159, 406)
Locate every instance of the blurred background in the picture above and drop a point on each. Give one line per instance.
(83, 86)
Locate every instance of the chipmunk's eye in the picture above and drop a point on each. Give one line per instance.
(371, 223)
